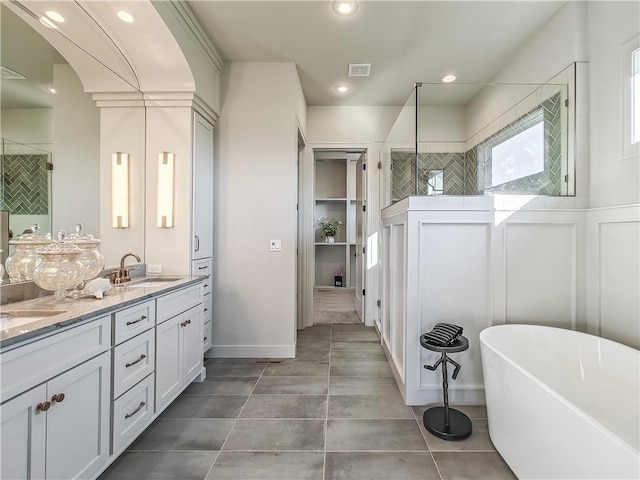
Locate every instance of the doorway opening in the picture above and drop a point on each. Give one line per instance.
(339, 205)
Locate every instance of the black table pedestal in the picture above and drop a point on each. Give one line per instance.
(445, 422)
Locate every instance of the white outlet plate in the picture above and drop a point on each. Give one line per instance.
(154, 268)
(275, 245)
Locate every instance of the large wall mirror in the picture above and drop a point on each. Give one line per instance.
(50, 127)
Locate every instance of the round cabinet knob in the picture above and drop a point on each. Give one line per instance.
(58, 397)
(43, 407)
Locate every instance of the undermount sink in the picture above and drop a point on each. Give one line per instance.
(16, 318)
(153, 282)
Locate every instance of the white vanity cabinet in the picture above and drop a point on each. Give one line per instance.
(133, 359)
(59, 427)
(179, 334)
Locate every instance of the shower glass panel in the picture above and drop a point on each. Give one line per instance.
(476, 139)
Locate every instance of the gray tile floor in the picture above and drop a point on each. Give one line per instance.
(333, 412)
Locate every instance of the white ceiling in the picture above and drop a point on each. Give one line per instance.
(406, 41)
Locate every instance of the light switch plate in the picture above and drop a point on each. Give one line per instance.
(275, 245)
(154, 268)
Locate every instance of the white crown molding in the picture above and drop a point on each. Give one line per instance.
(168, 99)
(191, 25)
(118, 99)
(200, 106)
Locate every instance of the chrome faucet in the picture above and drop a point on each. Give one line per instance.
(121, 275)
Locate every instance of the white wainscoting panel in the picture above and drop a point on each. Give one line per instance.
(386, 288)
(455, 286)
(398, 304)
(619, 281)
(540, 273)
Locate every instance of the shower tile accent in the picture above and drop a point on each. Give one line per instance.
(469, 173)
(403, 174)
(24, 184)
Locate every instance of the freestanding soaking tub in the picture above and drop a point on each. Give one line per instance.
(562, 404)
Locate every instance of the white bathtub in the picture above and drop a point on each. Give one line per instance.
(562, 404)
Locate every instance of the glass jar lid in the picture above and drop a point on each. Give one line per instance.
(60, 250)
(81, 238)
(33, 238)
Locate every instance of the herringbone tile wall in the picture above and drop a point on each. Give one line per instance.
(403, 174)
(469, 173)
(24, 184)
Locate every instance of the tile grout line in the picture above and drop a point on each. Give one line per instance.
(326, 417)
(435, 464)
(236, 421)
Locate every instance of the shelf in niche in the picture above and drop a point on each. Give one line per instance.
(330, 244)
(336, 199)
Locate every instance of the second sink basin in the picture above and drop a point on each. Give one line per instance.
(153, 282)
(16, 318)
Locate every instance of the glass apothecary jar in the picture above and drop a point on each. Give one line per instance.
(59, 269)
(22, 263)
(91, 259)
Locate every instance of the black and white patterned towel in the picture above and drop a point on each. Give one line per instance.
(443, 334)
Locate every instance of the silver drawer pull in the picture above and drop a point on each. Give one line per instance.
(142, 357)
(143, 317)
(203, 268)
(206, 309)
(129, 415)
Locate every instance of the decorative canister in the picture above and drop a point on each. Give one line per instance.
(22, 263)
(59, 269)
(91, 259)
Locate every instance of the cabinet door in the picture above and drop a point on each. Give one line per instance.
(23, 436)
(192, 332)
(78, 423)
(169, 372)
(202, 188)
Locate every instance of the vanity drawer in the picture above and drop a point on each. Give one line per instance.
(201, 267)
(31, 364)
(170, 305)
(208, 330)
(133, 320)
(132, 413)
(206, 300)
(132, 361)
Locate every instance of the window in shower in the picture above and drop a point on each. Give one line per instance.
(435, 182)
(519, 155)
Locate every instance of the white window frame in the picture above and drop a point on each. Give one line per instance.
(630, 149)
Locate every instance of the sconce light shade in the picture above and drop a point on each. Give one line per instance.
(165, 190)
(120, 190)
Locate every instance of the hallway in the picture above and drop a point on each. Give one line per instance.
(333, 412)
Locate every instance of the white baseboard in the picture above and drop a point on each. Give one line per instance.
(251, 351)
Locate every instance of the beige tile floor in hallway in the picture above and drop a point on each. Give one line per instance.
(333, 412)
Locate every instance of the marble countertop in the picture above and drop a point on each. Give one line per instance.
(40, 316)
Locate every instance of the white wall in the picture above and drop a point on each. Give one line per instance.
(341, 124)
(614, 180)
(28, 125)
(613, 222)
(255, 201)
(75, 155)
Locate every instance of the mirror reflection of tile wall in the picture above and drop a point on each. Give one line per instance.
(25, 184)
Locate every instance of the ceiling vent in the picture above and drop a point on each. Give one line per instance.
(359, 69)
(8, 74)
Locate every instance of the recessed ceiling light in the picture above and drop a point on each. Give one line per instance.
(342, 88)
(55, 16)
(449, 78)
(48, 23)
(125, 16)
(50, 89)
(345, 8)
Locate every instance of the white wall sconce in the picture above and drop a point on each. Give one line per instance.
(165, 190)
(120, 190)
